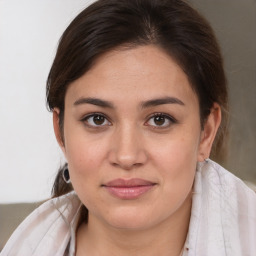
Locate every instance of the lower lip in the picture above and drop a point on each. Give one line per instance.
(129, 193)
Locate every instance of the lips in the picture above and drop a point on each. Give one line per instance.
(128, 189)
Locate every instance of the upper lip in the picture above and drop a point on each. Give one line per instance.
(135, 182)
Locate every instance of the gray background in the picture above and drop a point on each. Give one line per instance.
(234, 22)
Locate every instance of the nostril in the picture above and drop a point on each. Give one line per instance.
(127, 154)
(126, 166)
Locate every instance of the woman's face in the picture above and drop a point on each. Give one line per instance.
(132, 138)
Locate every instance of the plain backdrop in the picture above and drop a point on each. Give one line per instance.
(29, 155)
(29, 33)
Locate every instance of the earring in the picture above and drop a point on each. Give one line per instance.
(65, 175)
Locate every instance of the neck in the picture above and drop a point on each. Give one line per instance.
(165, 238)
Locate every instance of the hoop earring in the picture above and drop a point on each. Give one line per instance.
(65, 175)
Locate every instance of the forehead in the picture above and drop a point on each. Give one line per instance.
(140, 73)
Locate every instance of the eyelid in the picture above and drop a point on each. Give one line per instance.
(170, 118)
(86, 117)
(167, 116)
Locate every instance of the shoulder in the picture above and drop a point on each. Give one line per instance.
(46, 229)
(215, 176)
(223, 219)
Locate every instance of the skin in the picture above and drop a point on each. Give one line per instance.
(129, 142)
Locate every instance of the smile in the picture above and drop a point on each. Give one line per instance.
(128, 189)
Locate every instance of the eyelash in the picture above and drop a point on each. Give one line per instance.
(171, 120)
(86, 118)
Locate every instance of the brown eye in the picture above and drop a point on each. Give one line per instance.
(160, 121)
(96, 120)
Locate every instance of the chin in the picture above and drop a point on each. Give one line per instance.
(129, 220)
(130, 224)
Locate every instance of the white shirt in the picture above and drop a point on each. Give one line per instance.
(222, 223)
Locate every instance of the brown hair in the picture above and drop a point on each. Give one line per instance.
(172, 25)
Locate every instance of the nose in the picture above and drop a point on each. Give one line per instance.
(127, 149)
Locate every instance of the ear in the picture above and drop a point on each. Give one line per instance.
(57, 130)
(209, 132)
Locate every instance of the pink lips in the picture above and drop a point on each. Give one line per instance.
(128, 189)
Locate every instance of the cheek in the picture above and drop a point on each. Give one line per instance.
(177, 151)
(83, 155)
(178, 168)
(177, 160)
(84, 159)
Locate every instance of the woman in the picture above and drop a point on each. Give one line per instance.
(138, 95)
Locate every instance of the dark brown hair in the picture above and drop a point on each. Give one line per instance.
(171, 25)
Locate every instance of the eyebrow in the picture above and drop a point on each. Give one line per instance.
(162, 101)
(94, 101)
(145, 104)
